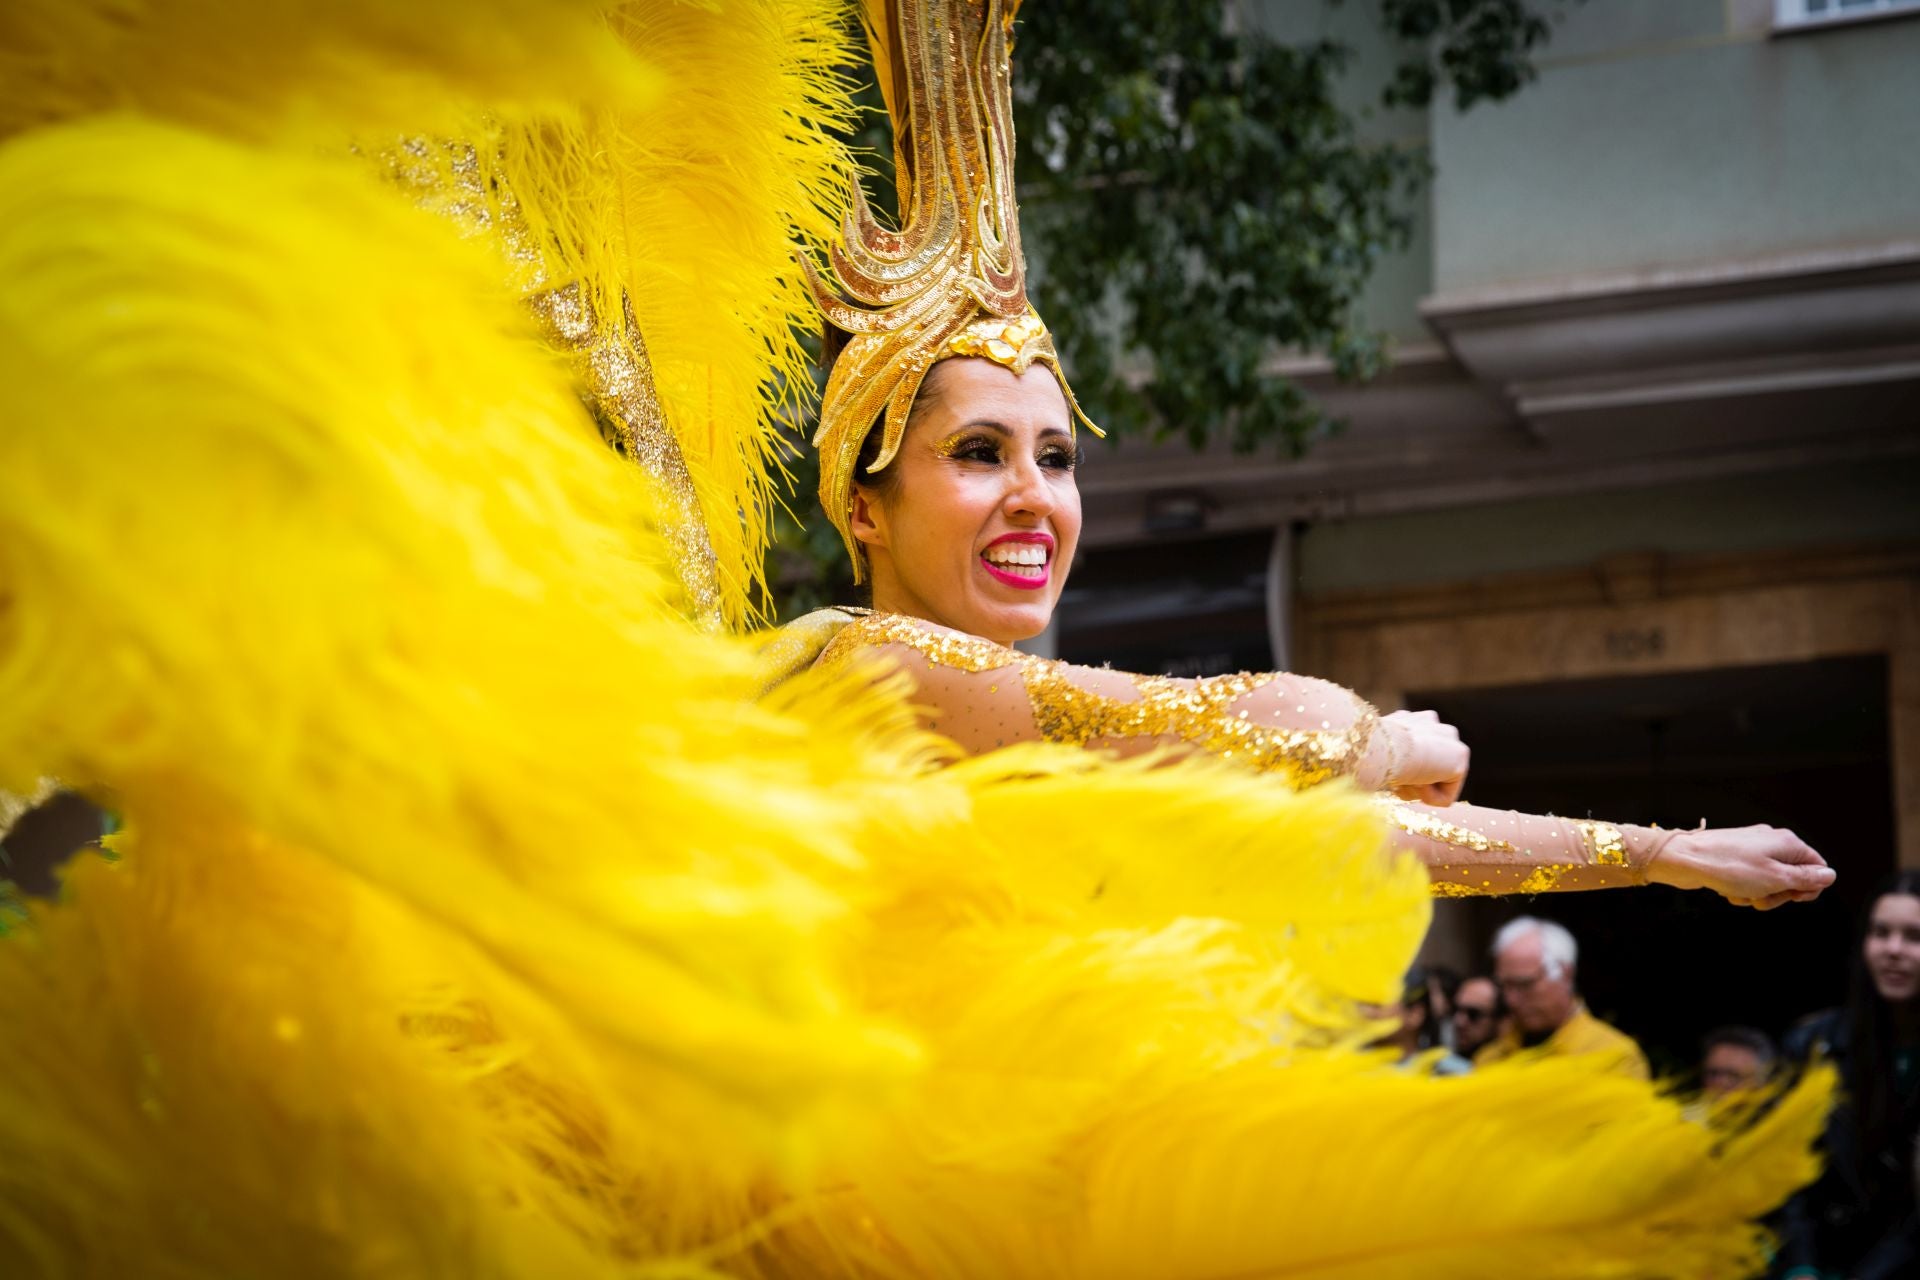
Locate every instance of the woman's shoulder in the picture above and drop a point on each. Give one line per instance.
(867, 631)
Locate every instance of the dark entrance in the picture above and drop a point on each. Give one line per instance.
(1182, 608)
(1802, 745)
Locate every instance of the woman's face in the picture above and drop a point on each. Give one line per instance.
(978, 525)
(1893, 946)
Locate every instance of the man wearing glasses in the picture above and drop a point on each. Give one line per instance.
(1533, 965)
(1476, 1015)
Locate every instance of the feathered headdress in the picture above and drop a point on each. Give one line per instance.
(952, 280)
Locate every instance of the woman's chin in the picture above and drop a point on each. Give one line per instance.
(1005, 621)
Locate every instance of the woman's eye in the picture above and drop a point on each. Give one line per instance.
(977, 451)
(1058, 459)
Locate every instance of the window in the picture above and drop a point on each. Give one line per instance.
(1789, 14)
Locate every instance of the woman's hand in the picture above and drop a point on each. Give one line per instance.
(1428, 760)
(1761, 867)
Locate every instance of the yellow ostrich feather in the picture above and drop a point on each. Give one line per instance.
(396, 442)
(716, 186)
(670, 155)
(317, 70)
(475, 918)
(1141, 1060)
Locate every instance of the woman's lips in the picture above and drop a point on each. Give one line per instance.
(1015, 579)
(1024, 560)
(1896, 979)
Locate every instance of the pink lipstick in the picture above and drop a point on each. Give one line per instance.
(1020, 560)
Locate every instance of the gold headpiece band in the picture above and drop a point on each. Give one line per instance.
(952, 281)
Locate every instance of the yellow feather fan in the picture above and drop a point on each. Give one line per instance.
(475, 919)
(666, 155)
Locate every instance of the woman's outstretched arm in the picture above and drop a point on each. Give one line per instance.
(1472, 851)
(1308, 731)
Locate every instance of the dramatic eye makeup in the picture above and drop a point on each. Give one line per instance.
(1056, 452)
(970, 446)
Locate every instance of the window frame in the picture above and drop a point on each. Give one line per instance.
(1790, 17)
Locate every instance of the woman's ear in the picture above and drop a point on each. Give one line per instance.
(866, 519)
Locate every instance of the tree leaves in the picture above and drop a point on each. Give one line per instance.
(1196, 201)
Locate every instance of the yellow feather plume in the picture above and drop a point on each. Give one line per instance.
(664, 154)
(317, 70)
(474, 916)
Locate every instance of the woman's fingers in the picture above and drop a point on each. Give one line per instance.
(1429, 752)
(1437, 794)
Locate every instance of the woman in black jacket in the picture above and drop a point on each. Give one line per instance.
(1859, 1221)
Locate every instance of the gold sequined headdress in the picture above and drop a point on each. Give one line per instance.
(952, 280)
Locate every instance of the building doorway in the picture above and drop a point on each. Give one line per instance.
(1180, 608)
(1802, 745)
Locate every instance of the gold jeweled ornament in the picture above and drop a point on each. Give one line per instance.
(952, 280)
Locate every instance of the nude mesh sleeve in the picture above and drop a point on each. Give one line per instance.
(1471, 851)
(984, 695)
(1308, 731)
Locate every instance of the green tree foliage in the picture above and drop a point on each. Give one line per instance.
(1195, 199)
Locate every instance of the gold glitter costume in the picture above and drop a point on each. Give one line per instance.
(1471, 851)
(478, 910)
(951, 282)
(1303, 730)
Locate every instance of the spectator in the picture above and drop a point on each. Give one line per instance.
(1533, 965)
(1476, 1015)
(1735, 1060)
(1859, 1219)
(1417, 1027)
(1443, 985)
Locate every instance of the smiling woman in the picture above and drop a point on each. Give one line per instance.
(985, 545)
(947, 458)
(1859, 1219)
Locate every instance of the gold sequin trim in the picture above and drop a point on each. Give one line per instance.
(1544, 879)
(1421, 823)
(608, 355)
(1012, 343)
(1606, 847)
(1541, 879)
(950, 649)
(1198, 712)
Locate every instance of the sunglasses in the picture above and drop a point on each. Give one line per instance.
(1468, 1011)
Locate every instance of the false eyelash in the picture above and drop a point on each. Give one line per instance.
(966, 444)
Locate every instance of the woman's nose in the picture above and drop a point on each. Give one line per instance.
(1028, 493)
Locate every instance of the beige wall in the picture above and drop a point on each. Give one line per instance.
(1663, 132)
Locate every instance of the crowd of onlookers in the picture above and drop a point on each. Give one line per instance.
(1859, 1219)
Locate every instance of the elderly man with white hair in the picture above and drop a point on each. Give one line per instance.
(1533, 963)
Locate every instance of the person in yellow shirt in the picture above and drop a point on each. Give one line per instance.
(1533, 964)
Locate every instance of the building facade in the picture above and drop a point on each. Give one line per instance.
(1639, 503)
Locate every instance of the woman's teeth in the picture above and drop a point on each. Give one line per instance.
(1023, 560)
